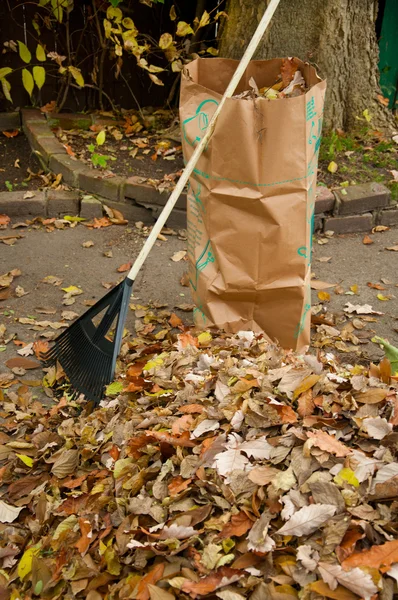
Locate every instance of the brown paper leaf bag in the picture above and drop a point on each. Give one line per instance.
(251, 200)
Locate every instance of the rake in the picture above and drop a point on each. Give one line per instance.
(85, 350)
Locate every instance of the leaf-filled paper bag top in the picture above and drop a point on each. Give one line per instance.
(251, 196)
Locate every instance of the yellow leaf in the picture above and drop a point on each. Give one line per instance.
(166, 40)
(204, 338)
(39, 75)
(348, 476)
(324, 296)
(305, 385)
(204, 20)
(172, 13)
(129, 24)
(383, 298)
(6, 86)
(26, 459)
(115, 14)
(155, 362)
(212, 51)
(183, 28)
(4, 71)
(72, 289)
(57, 9)
(332, 167)
(24, 52)
(77, 75)
(25, 564)
(27, 81)
(40, 53)
(100, 139)
(367, 115)
(156, 79)
(354, 288)
(102, 548)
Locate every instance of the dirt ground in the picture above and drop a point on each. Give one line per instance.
(16, 157)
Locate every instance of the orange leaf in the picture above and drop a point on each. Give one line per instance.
(11, 134)
(174, 320)
(124, 268)
(114, 452)
(288, 70)
(375, 286)
(136, 384)
(4, 220)
(182, 424)
(135, 444)
(377, 557)
(49, 107)
(74, 483)
(191, 409)
(103, 222)
(84, 542)
(162, 436)
(306, 404)
(328, 443)
(154, 157)
(238, 525)
(286, 413)
(186, 339)
(40, 347)
(367, 240)
(347, 545)
(150, 578)
(177, 485)
(69, 150)
(135, 370)
(212, 582)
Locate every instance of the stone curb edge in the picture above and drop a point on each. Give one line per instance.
(351, 209)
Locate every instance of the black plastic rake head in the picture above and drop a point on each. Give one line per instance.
(86, 355)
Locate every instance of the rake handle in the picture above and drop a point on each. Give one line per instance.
(164, 215)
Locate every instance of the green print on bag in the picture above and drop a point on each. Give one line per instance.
(204, 259)
(199, 122)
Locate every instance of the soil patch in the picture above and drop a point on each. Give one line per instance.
(16, 157)
(154, 155)
(359, 159)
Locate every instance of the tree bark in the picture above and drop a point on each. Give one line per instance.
(337, 36)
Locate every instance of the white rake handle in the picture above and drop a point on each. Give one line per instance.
(157, 228)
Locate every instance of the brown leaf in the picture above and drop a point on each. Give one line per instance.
(348, 543)
(288, 69)
(376, 557)
(263, 475)
(185, 280)
(321, 285)
(328, 443)
(66, 463)
(210, 583)
(21, 362)
(69, 150)
(150, 578)
(367, 240)
(237, 526)
(371, 396)
(306, 404)
(191, 409)
(125, 267)
(393, 248)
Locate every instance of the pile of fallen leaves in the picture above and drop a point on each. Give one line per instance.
(217, 466)
(289, 83)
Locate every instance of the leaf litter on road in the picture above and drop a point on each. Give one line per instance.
(217, 466)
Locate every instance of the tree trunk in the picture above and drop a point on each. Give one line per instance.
(337, 36)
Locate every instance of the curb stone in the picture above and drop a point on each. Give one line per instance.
(337, 211)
